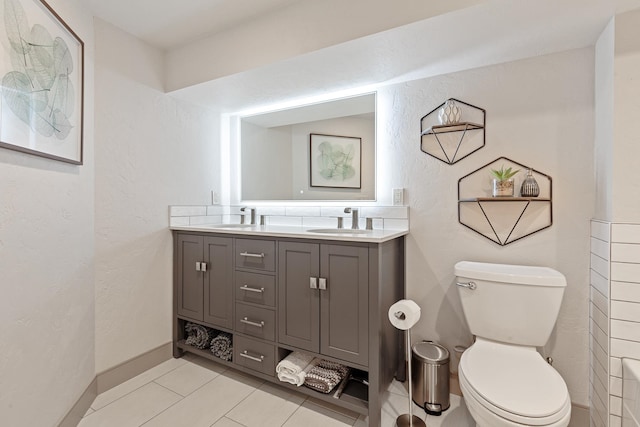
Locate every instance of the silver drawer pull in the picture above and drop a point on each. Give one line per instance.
(246, 321)
(247, 288)
(250, 357)
(250, 289)
(250, 255)
(470, 285)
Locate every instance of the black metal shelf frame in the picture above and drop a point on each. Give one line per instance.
(446, 149)
(527, 203)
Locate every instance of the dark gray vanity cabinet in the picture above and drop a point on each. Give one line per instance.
(204, 277)
(323, 299)
(278, 294)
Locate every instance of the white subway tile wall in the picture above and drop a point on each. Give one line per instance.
(303, 211)
(599, 323)
(178, 221)
(320, 222)
(217, 210)
(207, 219)
(291, 221)
(615, 421)
(625, 233)
(615, 303)
(384, 217)
(187, 210)
(615, 386)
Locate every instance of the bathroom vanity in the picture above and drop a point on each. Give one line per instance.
(284, 289)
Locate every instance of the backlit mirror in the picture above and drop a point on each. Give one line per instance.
(323, 151)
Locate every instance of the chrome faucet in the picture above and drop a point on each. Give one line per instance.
(252, 212)
(354, 217)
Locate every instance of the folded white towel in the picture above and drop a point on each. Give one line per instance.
(293, 368)
(290, 378)
(294, 363)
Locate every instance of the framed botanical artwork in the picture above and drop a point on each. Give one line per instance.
(335, 161)
(41, 82)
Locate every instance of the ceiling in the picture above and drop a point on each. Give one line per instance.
(170, 23)
(491, 32)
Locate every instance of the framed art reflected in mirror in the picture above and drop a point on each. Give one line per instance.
(335, 161)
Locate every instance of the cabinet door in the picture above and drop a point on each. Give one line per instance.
(218, 281)
(189, 279)
(298, 303)
(344, 305)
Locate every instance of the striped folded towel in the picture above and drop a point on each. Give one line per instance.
(324, 376)
(221, 346)
(197, 335)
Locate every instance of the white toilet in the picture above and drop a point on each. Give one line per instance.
(511, 310)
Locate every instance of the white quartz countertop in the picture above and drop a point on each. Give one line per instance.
(370, 236)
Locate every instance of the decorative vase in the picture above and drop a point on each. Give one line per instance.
(503, 188)
(529, 187)
(450, 113)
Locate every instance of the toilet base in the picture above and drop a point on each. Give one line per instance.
(485, 418)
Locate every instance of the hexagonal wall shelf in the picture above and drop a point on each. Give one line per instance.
(503, 220)
(451, 143)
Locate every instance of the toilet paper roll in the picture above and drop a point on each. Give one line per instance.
(404, 314)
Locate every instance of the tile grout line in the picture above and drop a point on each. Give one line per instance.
(230, 419)
(135, 389)
(182, 397)
(234, 406)
(329, 409)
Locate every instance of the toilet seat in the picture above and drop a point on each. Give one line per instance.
(514, 383)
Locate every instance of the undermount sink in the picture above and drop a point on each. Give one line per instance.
(338, 231)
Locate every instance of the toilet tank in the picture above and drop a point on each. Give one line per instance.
(513, 304)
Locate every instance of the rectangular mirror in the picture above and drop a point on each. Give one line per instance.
(323, 151)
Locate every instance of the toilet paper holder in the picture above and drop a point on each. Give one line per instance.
(406, 420)
(400, 315)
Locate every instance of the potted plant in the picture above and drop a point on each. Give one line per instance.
(503, 181)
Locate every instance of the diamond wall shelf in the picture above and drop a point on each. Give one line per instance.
(503, 220)
(453, 142)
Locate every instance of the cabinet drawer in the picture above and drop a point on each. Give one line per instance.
(254, 355)
(255, 321)
(255, 288)
(256, 254)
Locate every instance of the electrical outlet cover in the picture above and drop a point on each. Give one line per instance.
(398, 196)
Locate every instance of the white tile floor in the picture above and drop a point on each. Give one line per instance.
(193, 392)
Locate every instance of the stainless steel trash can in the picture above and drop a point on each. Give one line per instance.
(430, 376)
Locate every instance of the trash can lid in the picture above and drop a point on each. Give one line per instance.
(431, 352)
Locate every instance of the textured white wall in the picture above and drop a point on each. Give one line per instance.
(151, 151)
(46, 271)
(604, 76)
(626, 110)
(617, 164)
(291, 31)
(540, 112)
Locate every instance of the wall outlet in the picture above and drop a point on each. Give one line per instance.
(398, 196)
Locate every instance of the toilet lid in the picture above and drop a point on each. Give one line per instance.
(515, 379)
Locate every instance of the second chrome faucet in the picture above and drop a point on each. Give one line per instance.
(354, 217)
(252, 212)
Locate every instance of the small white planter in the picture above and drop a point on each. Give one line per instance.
(503, 188)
